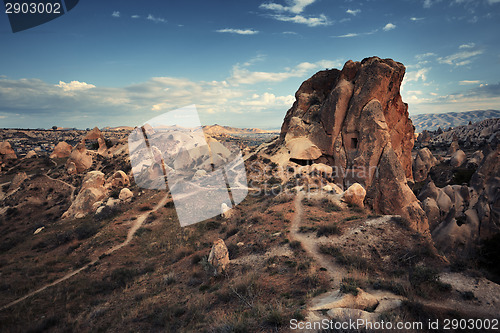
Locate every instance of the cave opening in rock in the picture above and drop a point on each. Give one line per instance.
(354, 143)
(302, 162)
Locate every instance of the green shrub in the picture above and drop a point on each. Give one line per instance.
(349, 286)
(327, 230)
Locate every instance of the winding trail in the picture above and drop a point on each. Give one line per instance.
(310, 244)
(130, 235)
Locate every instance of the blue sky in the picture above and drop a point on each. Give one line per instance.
(111, 63)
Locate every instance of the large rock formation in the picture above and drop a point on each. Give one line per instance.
(355, 121)
(92, 191)
(79, 160)
(6, 152)
(62, 150)
(422, 164)
(219, 256)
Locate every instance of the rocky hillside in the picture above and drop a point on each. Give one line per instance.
(434, 121)
(480, 133)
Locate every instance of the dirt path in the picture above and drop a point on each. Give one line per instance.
(310, 244)
(137, 224)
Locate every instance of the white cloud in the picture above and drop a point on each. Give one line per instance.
(468, 45)
(268, 99)
(415, 76)
(424, 55)
(414, 19)
(239, 31)
(74, 86)
(242, 75)
(116, 14)
(289, 33)
(355, 34)
(135, 16)
(491, 2)
(389, 26)
(467, 82)
(353, 12)
(156, 19)
(349, 35)
(295, 6)
(309, 21)
(460, 58)
(69, 103)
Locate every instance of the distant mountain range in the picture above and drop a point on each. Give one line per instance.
(218, 130)
(432, 121)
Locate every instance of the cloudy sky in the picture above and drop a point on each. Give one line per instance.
(111, 63)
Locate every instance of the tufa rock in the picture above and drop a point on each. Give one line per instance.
(458, 159)
(453, 147)
(62, 150)
(219, 256)
(81, 159)
(31, 154)
(125, 194)
(92, 191)
(120, 179)
(226, 212)
(356, 120)
(355, 195)
(6, 152)
(422, 164)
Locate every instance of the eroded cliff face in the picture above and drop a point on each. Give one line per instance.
(356, 121)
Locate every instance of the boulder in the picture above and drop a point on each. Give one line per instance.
(81, 159)
(454, 147)
(6, 152)
(422, 164)
(219, 256)
(475, 160)
(92, 191)
(125, 194)
(458, 159)
(120, 179)
(62, 150)
(226, 212)
(303, 149)
(321, 169)
(432, 211)
(31, 154)
(355, 195)
(430, 190)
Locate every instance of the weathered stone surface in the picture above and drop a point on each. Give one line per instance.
(352, 118)
(92, 190)
(31, 154)
(453, 147)
(125, 194)
(390, 194)
(81, 158)
(6, 152)
(120, 179)
(458, 159)
(61, 150)
(226, 212)
(432, 211)
(219, 256)
(355, 195)
(422, 164)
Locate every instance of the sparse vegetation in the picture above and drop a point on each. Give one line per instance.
(328, 230)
